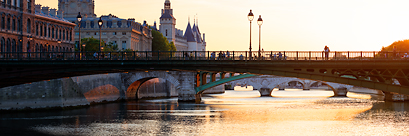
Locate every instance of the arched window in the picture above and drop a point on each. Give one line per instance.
(19, 25)
(166, 32)
(13, 25)
(2, 45)
(41, 48)
(3, 22)
(8, 23)
(28, 26)
(13, 46)
(63, 34)
(59, 34)
(8, 45)
(37, 49)
(49, 31)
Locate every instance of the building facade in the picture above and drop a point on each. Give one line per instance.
(126, 33)
(24, 29)
(191, 40)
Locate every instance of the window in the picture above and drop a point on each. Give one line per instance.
(76, 33)
(123, 45)
(114, 33)
(87, 33)
(41, 30)
(36, 29)
(8, 23)
(28, 26)
(52, 31)
(49, 31)
(3, 23)
(104, 33)
(59, 34)
(123, 33)
(166, 32)
(18, 25)
(13, 25)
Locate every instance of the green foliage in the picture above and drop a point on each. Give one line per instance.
(91, 44)
(110, 47)
(401, 46)
(160, 42)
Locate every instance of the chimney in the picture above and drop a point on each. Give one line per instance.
(46, 10)
(38, 8)
(204, 37)
(60, 13)
(53, 12)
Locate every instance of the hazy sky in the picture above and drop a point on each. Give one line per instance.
(289, 25)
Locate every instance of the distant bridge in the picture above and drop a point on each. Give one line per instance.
(386, 71)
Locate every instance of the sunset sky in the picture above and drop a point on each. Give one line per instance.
(289, 25)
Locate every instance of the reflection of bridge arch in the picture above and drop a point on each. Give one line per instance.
(133, 81)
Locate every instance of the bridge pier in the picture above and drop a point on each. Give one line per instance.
(265, 91)
(186, 90)
(341, 92)
(395, 97)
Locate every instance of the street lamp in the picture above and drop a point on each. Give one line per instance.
(259, 22)
(79, 18)
(250, 16)
(100, 22)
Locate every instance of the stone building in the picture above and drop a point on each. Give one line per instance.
(24, 29)
(126, 33)
(191, 40)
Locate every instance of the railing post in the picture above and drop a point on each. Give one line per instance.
(348, 55)
(296, 55)
(208, 55)
(284, 56)
(361, 56)
(146, 55)
(246, 56)
(195, 55)
(134, 55)
(233, 55)
(374, 55)
(335, 56)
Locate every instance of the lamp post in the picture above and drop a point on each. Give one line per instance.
(250, 16)
(259, 22)
(79, 18)
(100, 22)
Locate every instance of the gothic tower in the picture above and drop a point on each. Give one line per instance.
(72, 7)
(168, 23)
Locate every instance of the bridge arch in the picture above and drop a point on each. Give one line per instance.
(133, 81)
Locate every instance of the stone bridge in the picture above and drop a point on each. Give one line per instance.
(84, 90)
(266, 83)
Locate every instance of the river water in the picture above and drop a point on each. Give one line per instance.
(293, 112)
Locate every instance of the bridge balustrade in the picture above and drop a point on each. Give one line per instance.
(207, 55)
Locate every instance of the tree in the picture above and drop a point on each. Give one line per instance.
(91, 44)
(110, 47)
(401, 46)
(161, 43)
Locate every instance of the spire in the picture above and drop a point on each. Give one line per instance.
(189, 33)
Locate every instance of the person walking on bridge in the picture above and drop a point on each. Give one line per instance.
(326, 51)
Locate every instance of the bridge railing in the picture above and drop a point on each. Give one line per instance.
(207, 55)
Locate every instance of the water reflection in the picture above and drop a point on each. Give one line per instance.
(233, 113)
